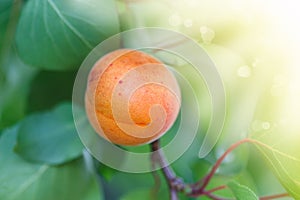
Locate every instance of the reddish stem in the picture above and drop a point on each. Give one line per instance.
(214, 197)
(221, 187)
(176, 185)
(207, 179)
(274, 196)
(197, 193)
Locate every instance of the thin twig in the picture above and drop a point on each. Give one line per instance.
(167, 171)
(177, 185)
(274, 196)
(214, 197)
(208, 178)
(158, 157)
(221, 187)
(197, 193)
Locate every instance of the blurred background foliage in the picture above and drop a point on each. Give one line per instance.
(43, 43)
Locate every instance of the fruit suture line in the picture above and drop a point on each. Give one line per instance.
(131, 97)
(177, 185)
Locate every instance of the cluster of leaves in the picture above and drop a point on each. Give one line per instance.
(43, 43)
(39, 165)
(41, 155)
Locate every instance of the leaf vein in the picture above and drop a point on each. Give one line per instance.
(68, 24)
(49, 32)
(30, 181)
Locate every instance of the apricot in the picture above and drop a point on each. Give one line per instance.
(131, 97)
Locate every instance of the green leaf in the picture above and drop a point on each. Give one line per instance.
(242, 192)
(137, 195)
(146, 14)
(5, 10)
(276, 128)
(128, 182)
(148, 194)
(49, 137)
(14, 89)
(4, 16)
(21, 180)
(285, 167)
(57, 35)
(49, 88)
(201, 169)
(106, 172)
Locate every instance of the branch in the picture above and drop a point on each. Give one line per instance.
(274, 196)
(157, 157)
(208, 193)
(173, 194)
(214, 197)
(221, 187)
(207, 179)
(175, 184)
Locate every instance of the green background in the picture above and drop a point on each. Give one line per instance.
(44, 42)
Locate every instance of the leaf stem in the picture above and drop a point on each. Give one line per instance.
(214, 197)
(207, 179)
(221, 187)
(196, 192)
(274, 196)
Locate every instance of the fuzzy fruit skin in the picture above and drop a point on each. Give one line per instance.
(108, 73)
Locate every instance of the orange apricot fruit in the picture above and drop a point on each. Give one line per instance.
(131, 97)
